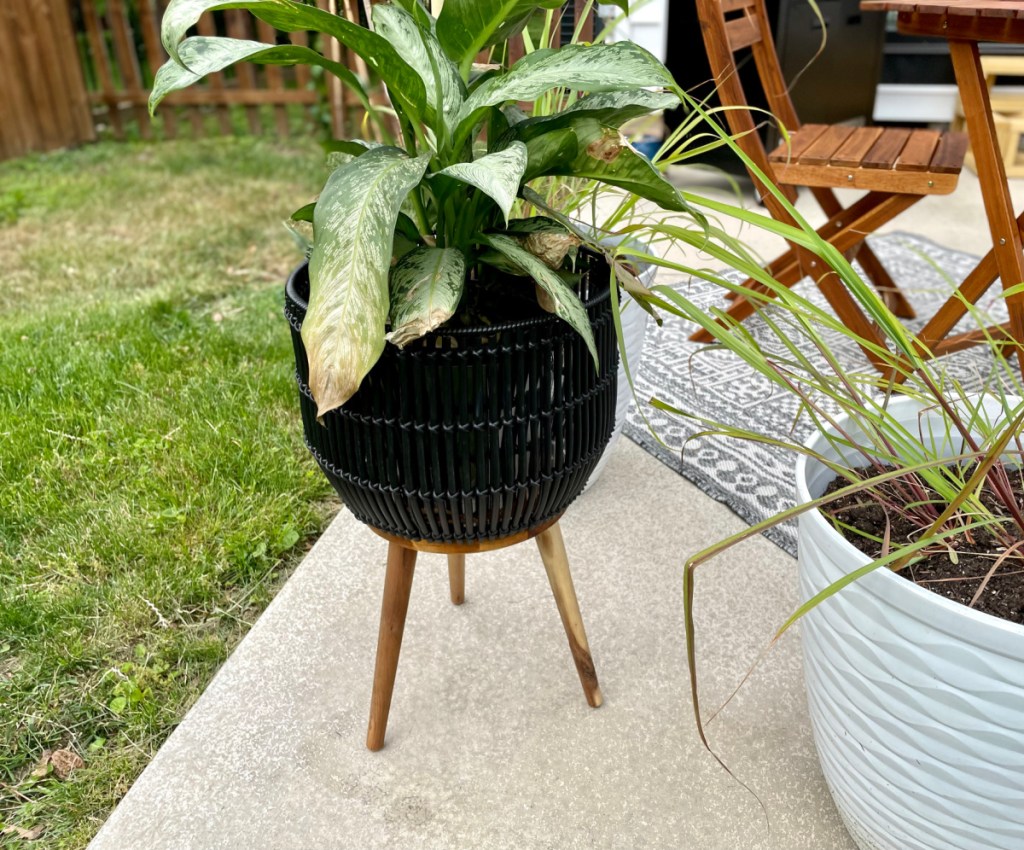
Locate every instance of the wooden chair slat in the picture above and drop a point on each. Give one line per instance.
(736, 5)
(886, 150)
(853, 150)
(917, 152)
(742, 32)
(825, 145)
(949, 153)
(799, 141)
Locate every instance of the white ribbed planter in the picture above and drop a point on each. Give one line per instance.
(634, 331)
(917, 702)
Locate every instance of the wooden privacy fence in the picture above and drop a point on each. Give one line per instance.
(43, 101)
(84, 68)
(120, 50)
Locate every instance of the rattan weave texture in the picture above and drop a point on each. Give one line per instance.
(472, 433)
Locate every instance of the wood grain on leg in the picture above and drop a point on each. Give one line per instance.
(457, 578)
(556, 562)
(397, 584)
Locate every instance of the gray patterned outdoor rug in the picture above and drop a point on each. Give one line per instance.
(756, 480)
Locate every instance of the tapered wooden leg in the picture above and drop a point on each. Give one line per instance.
(457, 578)
(556, 562)
(397, 584)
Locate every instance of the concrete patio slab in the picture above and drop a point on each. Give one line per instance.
(490, 742)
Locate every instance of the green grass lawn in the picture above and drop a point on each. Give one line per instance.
(154, 489)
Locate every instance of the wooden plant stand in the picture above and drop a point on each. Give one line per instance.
(398, 583)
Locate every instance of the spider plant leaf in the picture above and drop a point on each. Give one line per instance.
(354, 227)
(421, 49)
(622, 66)
(426, 286)
(497, 175)
(402, 81)
(565, 302)
(465, 27)
(202, 55)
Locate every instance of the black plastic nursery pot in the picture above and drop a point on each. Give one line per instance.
(470, 433)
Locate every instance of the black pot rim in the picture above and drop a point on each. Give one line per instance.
(474, 331)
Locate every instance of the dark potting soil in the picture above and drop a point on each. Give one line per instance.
(956, 576)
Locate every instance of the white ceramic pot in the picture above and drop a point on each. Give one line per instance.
(634, 331)
(917, 702)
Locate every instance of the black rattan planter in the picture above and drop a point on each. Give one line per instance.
(472, 433)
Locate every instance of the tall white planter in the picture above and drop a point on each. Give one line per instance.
(917, 702)
(634, 331)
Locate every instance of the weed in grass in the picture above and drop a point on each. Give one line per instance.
(154, 489)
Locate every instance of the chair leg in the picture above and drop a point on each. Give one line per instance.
(556, 562)
(397, 585)
(457, 578)
(891, 294)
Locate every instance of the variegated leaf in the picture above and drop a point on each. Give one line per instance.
(615, 108)
(497, 175)
(546, 152)
(420, 48)
(181, 15)
(354, 226)
(465, 27)
(426, 286)
(546, 239)
(604, 154)
(566, 303)
(588, 67)
(402, 81)
(202, 55)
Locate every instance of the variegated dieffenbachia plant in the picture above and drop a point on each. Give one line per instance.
(405, 223)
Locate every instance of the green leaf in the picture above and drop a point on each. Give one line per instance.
(354, 227)
(202, 55)
(182, 15)
(426, 287)
(304, 213)
(548, 240)
(465, 27)
(420, 12)
(612, 109)
(587, 67)
(566, 303)
(622, 4)
(547, 152)
(421, 49)
(290, 16)
(117, 704)
(497, 175)
(603, 154)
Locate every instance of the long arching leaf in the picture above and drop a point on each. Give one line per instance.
(603, 154)
(202, 55)
(353, 228)
(426, 286)
(403, 82)
(587, 67)
(566, 302)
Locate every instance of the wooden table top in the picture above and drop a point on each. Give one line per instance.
(964, 8)
(961, 20)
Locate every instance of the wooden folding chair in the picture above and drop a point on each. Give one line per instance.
(897, 167)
